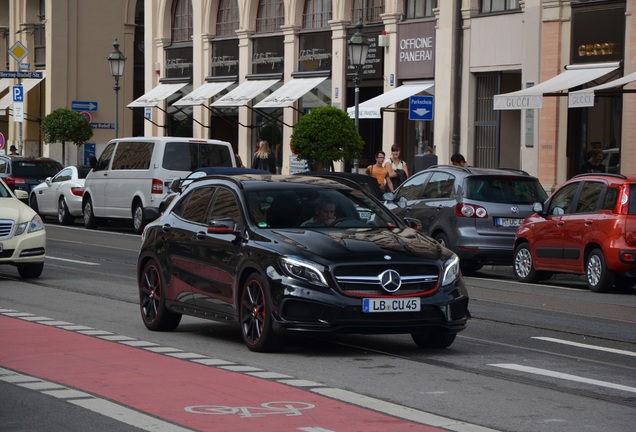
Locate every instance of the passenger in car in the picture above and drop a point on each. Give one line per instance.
(325, 214)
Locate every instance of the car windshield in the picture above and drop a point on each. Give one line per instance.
(36, 169)
(497, 189)
(316, 208)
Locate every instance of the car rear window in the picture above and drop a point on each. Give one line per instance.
(498, 189)
(36, 169)
(182, 156)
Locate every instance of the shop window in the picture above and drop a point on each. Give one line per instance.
(182, 21)
(490, 6)
(227, 18)
(420, 8)
(271, 15)
(317, 14)
(367, 11)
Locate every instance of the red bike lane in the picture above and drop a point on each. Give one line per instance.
(179, 391)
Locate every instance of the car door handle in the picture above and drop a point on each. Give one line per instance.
(201, 235)
(560, 223)
(166, 228)
(588, 222)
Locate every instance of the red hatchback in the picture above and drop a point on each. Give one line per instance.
(587, 226)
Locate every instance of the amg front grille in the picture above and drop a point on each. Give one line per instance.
(380, 279)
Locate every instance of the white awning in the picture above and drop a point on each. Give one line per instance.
(573, 76)
(585, 97)
(27, 84)
(200, 96)
(157, 95)
(290, 92)
(4, 84)
(372, 107)
(244, 93)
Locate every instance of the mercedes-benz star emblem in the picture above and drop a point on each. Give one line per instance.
(390, 281)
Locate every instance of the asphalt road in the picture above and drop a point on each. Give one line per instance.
(550, 357)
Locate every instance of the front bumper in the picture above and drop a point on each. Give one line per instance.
(25, 248)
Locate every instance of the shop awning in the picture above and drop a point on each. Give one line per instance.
(4, 84)
(27, 84)
(157, 95)
(244, 93)
(200, 95)
(372, 107)
(585, 98)
(290, 92)
(573, 76)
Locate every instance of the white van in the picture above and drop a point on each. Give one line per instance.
(132, 175)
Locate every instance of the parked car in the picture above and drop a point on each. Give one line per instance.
(232, 248)
(587, 226)
(132, 175)
(474, 212)
(61, 195)
(24, 173)
(178, 185)
(22, 234)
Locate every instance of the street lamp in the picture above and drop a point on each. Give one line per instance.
(358, 49)
(116, 62)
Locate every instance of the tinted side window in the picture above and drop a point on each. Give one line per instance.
(439, 186)
(184, 156)
(194, 206)
(104, 159)
(560, 202)
(225, 206)
(609, 200)
(214, 155)
(36, 169)
(63, 175)
(412, 187)
(589, 198)
(133, 156)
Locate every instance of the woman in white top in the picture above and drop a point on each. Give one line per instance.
(398, 171)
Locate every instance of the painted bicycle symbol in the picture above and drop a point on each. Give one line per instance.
(288, 409)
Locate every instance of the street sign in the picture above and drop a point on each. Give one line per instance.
(24, 66)
(2, 141)
(18, 51)
(18, 112)
(87, 116)
(16, 74)
(421, 108)
(18, 93)
(84, 106)
(103, 125)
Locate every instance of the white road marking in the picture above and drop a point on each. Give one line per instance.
(73, 261)
(580, 345)
(563, 376)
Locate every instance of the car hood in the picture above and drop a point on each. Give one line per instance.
(366, 244)
(15, 210)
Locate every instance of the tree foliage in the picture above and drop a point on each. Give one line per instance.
(64, 125)
(325, 135)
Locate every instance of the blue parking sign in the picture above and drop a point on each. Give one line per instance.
(18, 93)
(421, 108)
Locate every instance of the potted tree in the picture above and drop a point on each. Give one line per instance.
(63, 125)
(325, 135)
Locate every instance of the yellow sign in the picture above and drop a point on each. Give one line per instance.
(18, 51)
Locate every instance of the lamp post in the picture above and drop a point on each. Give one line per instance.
(116, 61)
(358, 48)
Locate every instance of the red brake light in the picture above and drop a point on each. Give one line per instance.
(470, 210)
(622, 206)
(13, 181)
(77, 191)
(157, 186)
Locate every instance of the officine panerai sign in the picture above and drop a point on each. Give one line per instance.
(416, 50)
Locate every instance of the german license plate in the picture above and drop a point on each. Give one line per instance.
(371, 305)
(508, 222)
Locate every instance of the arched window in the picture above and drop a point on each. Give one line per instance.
(367, 11)
(182, 21)
(271, 15)
(420, 8)
(228, 18)
(317, 14)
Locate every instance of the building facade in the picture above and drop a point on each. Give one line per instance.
(242, 71)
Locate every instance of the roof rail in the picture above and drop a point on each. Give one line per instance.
(517, 170)
(621, 176)
(465, 169)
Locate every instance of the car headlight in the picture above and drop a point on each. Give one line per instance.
(303, 269)
(36, 224)
(451, 270)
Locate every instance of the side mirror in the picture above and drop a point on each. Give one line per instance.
(402, 202)
(222, 226)
(413, 223)
(48, 181)
(388, 196)
(21, 194)
(537, 207)
(175, 185)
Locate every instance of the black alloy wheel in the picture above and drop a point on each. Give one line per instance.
(152, 301)
(255, 316)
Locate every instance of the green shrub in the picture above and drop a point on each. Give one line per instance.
(64, 125)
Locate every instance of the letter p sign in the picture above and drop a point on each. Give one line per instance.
(18, 93)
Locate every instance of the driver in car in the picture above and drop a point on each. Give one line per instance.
(325, 214)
